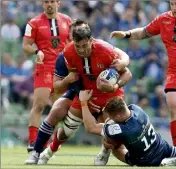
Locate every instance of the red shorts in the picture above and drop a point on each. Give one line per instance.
(43, 76)
(101, 100)
(170, 84)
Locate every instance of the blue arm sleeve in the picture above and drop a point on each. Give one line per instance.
(61, 68)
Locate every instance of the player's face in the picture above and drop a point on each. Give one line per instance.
(83, 48)
(50, 6)
(173, 7)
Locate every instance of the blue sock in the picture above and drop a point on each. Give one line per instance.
(44, 134)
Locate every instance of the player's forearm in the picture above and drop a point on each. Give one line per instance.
(138, 33)
(88, 119)
(28, 49)
(60, 86)
(125, 77)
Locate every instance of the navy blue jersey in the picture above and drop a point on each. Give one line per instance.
(62, 71)
(145, 146)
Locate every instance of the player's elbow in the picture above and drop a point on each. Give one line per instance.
(129, 74)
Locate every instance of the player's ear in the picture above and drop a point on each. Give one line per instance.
(58, 3)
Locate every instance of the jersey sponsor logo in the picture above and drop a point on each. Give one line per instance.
(28, 31)
(114, 129)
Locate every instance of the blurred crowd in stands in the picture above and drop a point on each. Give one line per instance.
(148, 57)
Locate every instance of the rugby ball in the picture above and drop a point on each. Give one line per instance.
(110, 74)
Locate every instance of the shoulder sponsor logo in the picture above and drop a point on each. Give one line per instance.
(114, 129)
(28, 31)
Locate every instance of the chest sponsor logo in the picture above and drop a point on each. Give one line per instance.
(114, 129)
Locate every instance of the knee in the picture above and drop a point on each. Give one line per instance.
(70, 124)
(59, 111)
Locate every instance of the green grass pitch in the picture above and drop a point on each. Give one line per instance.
(69, 157)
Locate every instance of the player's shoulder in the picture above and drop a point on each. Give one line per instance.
(165, 15)
(69, 49)
(36, 19)
(102, 46)
(64, 16)
(134, 107)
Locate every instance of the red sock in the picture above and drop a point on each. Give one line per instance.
(173, 131)
(56, 143)
(33, 131)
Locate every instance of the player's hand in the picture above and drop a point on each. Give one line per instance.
(108, 144)
(104, 86)
(85, 95)
(118, 34)
(94, 107)
(72, 77)
(118, 64)
(40, 57)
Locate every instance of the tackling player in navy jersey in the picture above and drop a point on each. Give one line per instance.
(130, 126)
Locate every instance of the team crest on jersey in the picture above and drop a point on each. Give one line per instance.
(114, 129)
(48, 77)
(55, 42)
(100, 65)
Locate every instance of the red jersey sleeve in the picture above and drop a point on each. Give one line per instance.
(69, 35)
(69, 59)
(31, 29)
(113, 54)
(153, 28)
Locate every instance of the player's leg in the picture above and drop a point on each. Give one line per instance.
(169, 157)
(120, 153)
(71, 123)
(171, 102)
(57, 113)
(41, 99)
(102, 157)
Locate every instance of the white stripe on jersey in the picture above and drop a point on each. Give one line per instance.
(53, 23)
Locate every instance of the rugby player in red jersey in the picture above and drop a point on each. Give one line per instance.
(50, 32)
(165, 26)
(88, 57)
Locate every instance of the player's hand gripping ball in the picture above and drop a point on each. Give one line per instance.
(107, 80)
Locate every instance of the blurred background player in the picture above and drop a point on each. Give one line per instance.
(88, 57)
(68, 85)
(130, 126)
(50, 32)
(165, 25)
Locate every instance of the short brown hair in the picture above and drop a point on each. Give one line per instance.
(115, 105)
(80, 30)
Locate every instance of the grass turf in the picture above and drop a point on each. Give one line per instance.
(69, 157)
